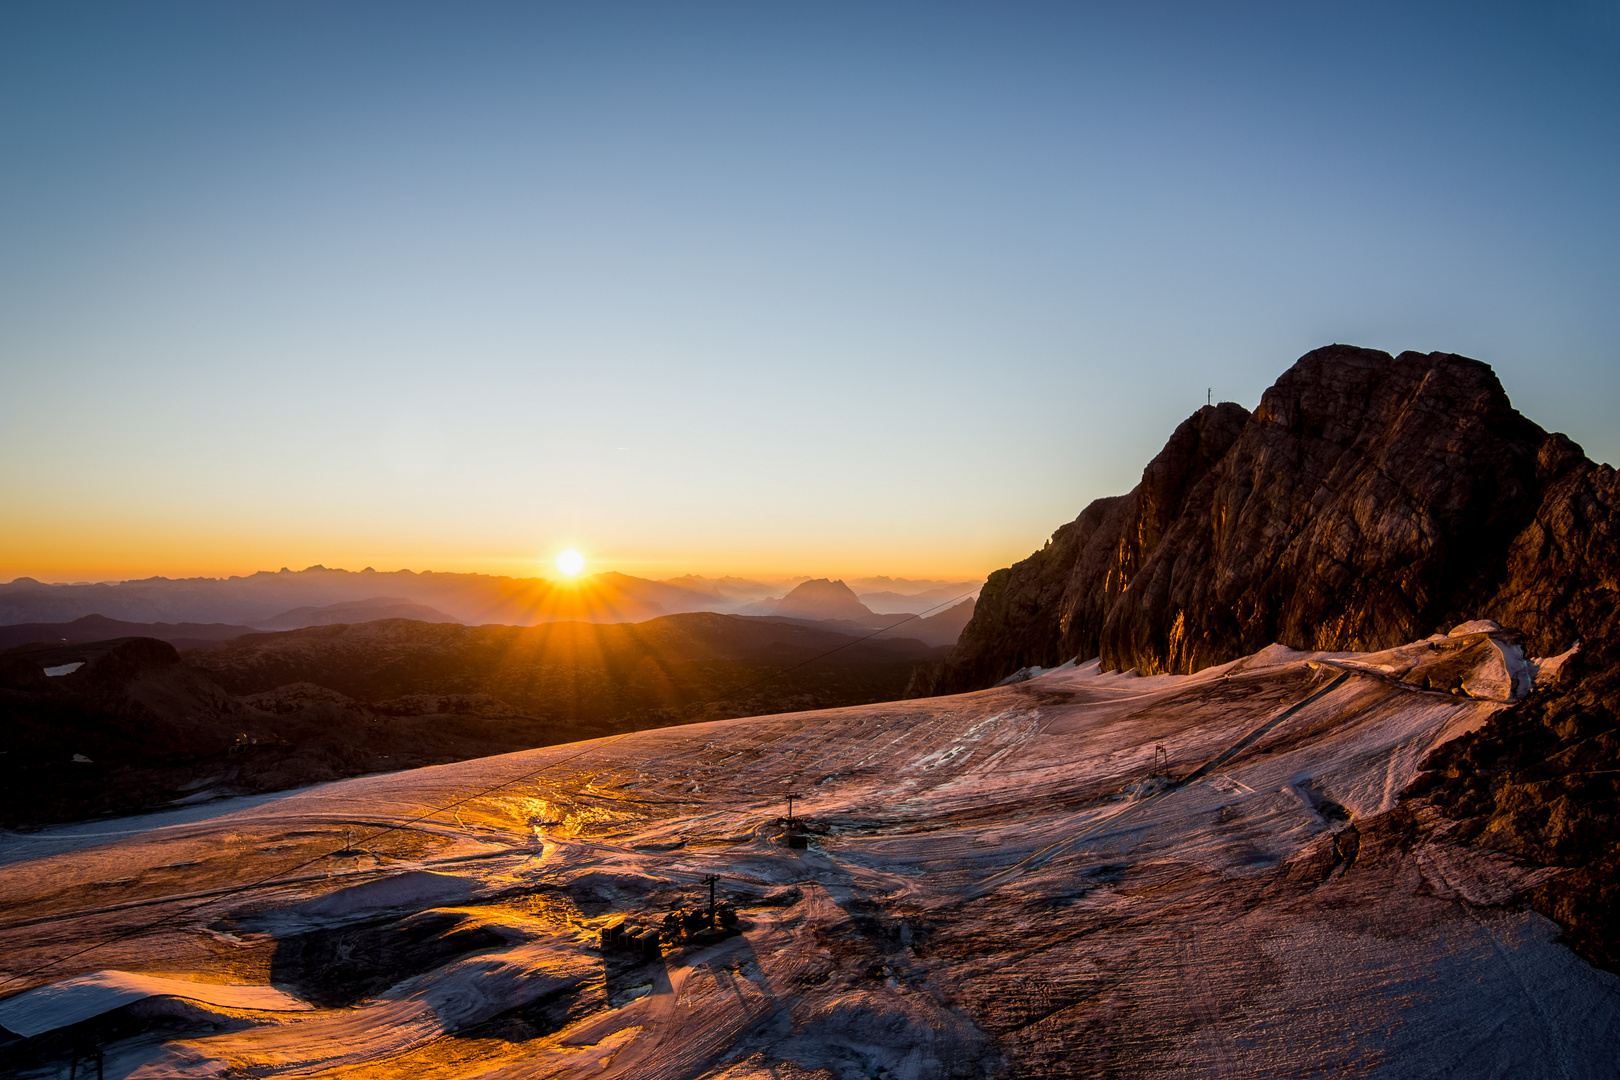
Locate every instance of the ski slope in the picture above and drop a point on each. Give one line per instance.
(1002, 883)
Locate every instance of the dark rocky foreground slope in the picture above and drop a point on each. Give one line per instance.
(663, 671)
(139, 726)
(1367, 501)
(93, 628)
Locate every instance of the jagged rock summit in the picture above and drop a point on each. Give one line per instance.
(1369, 500)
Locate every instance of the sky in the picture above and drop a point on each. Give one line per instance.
(825, 288)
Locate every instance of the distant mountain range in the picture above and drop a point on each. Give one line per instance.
(356, 611)
(834, 605)
(741, 590)
(317, 595)
(258, 599)
(889, 602)
(100, 628)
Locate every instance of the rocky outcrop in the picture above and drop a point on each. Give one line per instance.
(1542, 782)
(1368, 500)
(1018, 621)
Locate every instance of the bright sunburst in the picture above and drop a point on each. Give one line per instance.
(570, 563)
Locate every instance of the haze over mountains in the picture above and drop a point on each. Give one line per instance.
(834, 605)
(356, 611)
(264, 597)
(818, 599)
(318, 596)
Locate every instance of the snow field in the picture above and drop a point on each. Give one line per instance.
(998, 884)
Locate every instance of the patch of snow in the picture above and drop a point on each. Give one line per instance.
(1274, 655)
(413, 890)
(1023, 674)
(1544, 670)
(57, 839)
(69, 1001)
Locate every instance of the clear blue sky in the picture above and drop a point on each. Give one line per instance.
(814, 288)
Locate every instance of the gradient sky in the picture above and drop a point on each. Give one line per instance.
(799, 288)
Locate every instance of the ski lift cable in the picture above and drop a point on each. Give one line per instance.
(590, 748)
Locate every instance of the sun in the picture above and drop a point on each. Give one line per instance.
(570, 562)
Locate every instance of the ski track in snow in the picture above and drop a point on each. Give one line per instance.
(996, 886)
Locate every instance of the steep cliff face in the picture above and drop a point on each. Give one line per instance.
(1369, 500)
(1018, 620)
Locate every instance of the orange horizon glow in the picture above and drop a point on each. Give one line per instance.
(518, 569)
(67, 552)
(659, 573)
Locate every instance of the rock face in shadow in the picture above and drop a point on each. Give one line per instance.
(1542, 782)
(136, 726)
(1367, 501)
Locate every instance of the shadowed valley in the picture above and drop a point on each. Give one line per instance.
(267, 711)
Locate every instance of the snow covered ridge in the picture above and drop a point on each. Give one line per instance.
(1082, 873)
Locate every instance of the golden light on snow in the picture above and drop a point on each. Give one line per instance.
(570, 562)
(1286, 762)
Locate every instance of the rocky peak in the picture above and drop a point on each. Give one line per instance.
(821, 598)
(1370, 499)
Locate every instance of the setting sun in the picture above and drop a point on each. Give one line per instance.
(570, 563)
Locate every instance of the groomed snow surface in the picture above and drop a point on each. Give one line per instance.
(1079, 874)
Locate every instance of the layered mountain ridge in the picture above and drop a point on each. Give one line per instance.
(1369, 499)
(266, 600)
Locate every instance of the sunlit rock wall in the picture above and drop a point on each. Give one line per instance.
(1369, 500)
